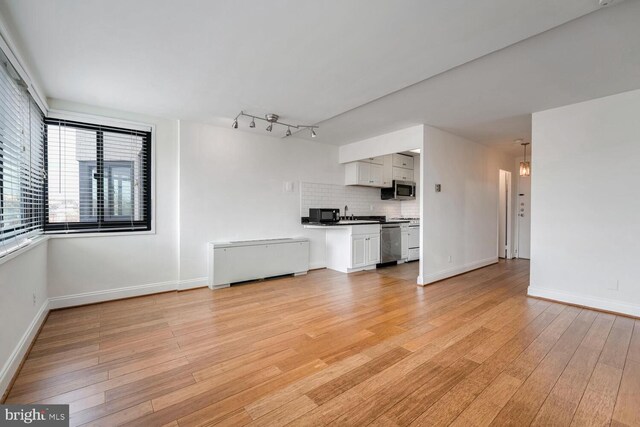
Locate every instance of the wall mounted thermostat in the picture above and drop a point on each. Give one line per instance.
(438, 188)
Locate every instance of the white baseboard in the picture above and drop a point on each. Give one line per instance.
(110, 294)
(445, 274)
(317, 265)
(198, 282)
(585, 301)
(13, 363)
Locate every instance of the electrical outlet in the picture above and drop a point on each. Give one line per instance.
(34, 299)
(450, 258)
(615, 286)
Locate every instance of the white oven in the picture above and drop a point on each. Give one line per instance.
(414, 242)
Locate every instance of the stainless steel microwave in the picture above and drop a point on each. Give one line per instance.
(400, 190)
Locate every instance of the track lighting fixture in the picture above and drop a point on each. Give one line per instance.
(274, 119)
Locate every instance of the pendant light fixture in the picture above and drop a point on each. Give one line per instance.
(525, 166)
(274, 119)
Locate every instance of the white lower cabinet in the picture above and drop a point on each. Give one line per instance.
(353, 248)
(358, 251)
(365, 250)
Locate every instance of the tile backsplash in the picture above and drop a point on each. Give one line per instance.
(361, 200)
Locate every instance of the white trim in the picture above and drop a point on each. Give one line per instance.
(317, 265)
(111, 294)
(198, 282)
(32, 243)
(62, 234)
(585, 300)
(445, 274)
(95, 119)
(13, 363)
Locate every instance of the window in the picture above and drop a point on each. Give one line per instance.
(21, 161)
(99, 178)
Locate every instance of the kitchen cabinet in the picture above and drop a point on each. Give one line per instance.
(352, 248)
(365, 250)
(380, 171)
(363, 173)
(387, 172)
(402, 161)
(402, 174)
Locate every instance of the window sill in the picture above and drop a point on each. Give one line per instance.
(74, 234)
(33, 243)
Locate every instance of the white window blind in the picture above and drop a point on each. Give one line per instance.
(98, 178)
(22, 166)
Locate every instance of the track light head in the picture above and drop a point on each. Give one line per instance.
(313, 133)
(270, 127)
(252, 124)
(288, 133)
(235, 124)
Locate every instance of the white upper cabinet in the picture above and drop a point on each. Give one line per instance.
(401, 174)
(380, 171)
(402, 161)
(387, 172)
(363, 173)
(375, 175)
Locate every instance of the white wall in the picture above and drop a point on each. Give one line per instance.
(232, 188)
(21, 277)
(363, 201)
(394, 142)
(585, 206)
(106, 266)
(460, 222)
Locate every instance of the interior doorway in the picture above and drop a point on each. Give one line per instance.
(504, 215)
(523, 249)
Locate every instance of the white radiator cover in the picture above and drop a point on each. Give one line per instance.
(232, 262)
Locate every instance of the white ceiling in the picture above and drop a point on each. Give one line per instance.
(307, 60)
(490, 100)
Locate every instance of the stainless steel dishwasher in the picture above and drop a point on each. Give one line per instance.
(390, 243)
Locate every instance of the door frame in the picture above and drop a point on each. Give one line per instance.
(505, 177)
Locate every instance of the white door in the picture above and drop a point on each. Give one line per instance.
(358, 251)
(375, 174)
(401, 174)
(504, 215)
(524, 217)
(373, 249)
(363, 173)
(387, 172)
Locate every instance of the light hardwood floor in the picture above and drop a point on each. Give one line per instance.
(329, 348)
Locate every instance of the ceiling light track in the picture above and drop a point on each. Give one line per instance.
(273, 119)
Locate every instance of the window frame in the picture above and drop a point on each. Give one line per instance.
(100, 226)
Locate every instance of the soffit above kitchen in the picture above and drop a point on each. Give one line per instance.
(306, 60)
